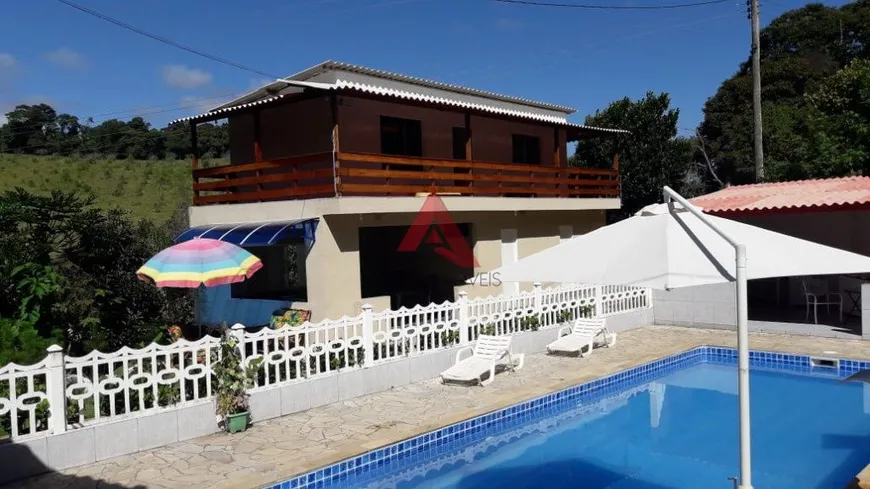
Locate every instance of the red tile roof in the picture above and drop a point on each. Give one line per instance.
(807, 195)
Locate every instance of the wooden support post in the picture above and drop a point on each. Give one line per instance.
(336, 148)
(194, 150)
(258, 148)
(557, 157)
(194, 159)
(616, 167)
(469, 148)
(557, 148)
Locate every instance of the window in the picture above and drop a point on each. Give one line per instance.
(527, 149)
(282, 276)
(459, 138)
(401, 137)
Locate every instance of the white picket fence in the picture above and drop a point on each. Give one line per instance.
(101, 387)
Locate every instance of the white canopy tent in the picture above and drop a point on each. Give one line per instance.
(675, 245)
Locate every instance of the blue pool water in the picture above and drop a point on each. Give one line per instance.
(668, 425)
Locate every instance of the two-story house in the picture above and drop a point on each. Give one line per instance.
(329, 168)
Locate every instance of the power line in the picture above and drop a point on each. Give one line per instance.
(181, 105)
(137, 111)
(52, 143)
(609, 7)
(164, 40)
(49, 143)
(224, 61)
(133, 112)
(555, 61)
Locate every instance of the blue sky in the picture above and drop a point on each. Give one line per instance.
(52, 53)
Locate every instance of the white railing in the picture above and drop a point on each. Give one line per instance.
(106, 386)
(101, 387)
(24, 397)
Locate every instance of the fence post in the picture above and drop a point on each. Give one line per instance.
(368, 334)
(539, 298)
(55, 389)
(649, 297)
(238, 330)
(597, 310)
(462, 304)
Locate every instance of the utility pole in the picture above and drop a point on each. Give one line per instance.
(756, 89)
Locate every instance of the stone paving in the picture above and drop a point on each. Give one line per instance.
(277, 449)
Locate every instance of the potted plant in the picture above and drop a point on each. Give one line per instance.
(232, 381)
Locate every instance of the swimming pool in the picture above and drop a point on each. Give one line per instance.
(669, 424)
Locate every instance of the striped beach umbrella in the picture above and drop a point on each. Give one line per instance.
(202, 261)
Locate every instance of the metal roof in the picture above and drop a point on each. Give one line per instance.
(331, 65)
(253, 233)
(807, 195)
(228, 110)
(296, 85)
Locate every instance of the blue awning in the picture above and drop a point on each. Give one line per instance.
(254, 233)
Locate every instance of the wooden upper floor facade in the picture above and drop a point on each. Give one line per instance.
(339, 130)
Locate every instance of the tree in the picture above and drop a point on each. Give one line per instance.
(800, 50)
(31, 129)
(96, 301)
(841, 122)
(651, 156)
(40, 130)
(30, 286)
(69, 134)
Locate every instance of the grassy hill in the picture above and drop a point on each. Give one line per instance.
(148, 189)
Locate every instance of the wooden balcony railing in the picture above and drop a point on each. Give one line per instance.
(298, 177)
(371, 174)
(362, 174)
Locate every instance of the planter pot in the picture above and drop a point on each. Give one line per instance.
(237, 422)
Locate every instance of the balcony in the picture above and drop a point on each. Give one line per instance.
(360, 174)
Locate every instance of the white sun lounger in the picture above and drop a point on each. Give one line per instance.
(580, 336)
(488, 352)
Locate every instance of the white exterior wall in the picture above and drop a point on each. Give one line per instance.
(333, 265)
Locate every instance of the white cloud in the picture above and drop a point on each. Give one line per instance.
(180, 76)
(67, 58)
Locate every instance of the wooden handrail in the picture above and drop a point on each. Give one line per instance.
(372, 189)
(260, 195)
(467, 177)
(474, 165)
(261, 179)
(381, 175)
(262, 165)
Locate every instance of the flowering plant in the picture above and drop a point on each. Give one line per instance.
(232, 380)
(175, 333)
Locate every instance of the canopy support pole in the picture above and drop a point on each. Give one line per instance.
(742, 336)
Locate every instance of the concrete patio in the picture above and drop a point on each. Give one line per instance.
(277, 449)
